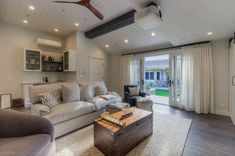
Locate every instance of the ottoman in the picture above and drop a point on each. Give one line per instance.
(116, 107)
(144, 103)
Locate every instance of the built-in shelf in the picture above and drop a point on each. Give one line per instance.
(48, 66)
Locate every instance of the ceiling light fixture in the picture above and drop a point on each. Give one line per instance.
(56, 30)
(31, 7)
(107, 46)
(76, 24)
(210, 33)
(25, 21)
(126, 41)
(153, 34)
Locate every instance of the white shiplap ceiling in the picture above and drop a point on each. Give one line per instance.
(48, 15)
(184, 21)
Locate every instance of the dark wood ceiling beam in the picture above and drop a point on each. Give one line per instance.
(117, 23)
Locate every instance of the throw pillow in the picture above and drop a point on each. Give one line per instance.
(71, 92)
(50, 98)
(134, 91)
(86, 92)
(100, 91)
(95, 84)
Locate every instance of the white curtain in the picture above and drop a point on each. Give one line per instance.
(126, 71)
(197, 92)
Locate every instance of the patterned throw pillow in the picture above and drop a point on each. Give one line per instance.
(134, 91)
(50, 98)
(100, 91)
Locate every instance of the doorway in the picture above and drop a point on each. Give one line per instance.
(156, 78)
(96, 69)
(163, 78)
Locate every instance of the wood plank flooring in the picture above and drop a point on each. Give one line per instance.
(209, 135)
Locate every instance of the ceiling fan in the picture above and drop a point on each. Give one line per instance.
(87, 4)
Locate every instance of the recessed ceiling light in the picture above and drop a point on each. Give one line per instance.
(76, 24)
(31, 7)
(153, 34)
(210, 33)
(25, 21)
(126, 41)
(56, 30)
(107, 46)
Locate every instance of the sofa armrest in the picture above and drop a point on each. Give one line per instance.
(142, 93)
(16, 124)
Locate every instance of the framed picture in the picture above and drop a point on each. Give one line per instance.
(5, 101)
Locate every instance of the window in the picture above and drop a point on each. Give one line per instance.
(151, 75)
(146, 75)
(158, 75)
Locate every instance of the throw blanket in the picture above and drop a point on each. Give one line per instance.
(110, 96)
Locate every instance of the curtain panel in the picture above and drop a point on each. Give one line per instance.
(197, 92)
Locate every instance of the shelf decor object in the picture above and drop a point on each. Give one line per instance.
(5, 101)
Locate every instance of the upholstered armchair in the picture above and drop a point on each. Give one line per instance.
(26, 135)
(132, 99)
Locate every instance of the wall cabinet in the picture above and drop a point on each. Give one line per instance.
(32, 60)
(70, 61)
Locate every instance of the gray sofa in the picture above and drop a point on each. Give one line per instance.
(22, 134)
(68, 117)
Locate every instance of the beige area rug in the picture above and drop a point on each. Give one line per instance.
(168, 139)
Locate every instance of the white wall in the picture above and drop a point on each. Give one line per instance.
(115, 79)
(13, 40)
(220, 54)
(87, 48)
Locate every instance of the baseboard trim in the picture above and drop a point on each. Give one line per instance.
(222, 112)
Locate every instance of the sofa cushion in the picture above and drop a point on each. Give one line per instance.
(24, 146)
(71, 92)
(67, 111)
(34, 91)
(86, 91)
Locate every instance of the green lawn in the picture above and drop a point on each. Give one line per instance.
(161, 92)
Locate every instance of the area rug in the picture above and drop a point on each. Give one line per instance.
(168, 139)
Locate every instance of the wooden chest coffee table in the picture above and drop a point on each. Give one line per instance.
(115, 141)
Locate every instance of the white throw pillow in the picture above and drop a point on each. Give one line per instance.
(86, 92)
(71, 92)
(134, 91)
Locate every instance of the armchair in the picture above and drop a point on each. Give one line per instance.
(24, 134)
(132, 100)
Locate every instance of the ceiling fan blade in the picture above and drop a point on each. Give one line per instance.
(63, 2)
(95, 12)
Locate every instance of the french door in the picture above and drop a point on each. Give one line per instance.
(161, 76)
(175, 79)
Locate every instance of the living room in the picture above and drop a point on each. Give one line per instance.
(127, 77)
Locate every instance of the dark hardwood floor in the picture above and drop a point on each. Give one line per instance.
(209, 135)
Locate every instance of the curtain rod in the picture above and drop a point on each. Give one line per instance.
(161, 49)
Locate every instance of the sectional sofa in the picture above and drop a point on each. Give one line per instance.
(70, 116)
